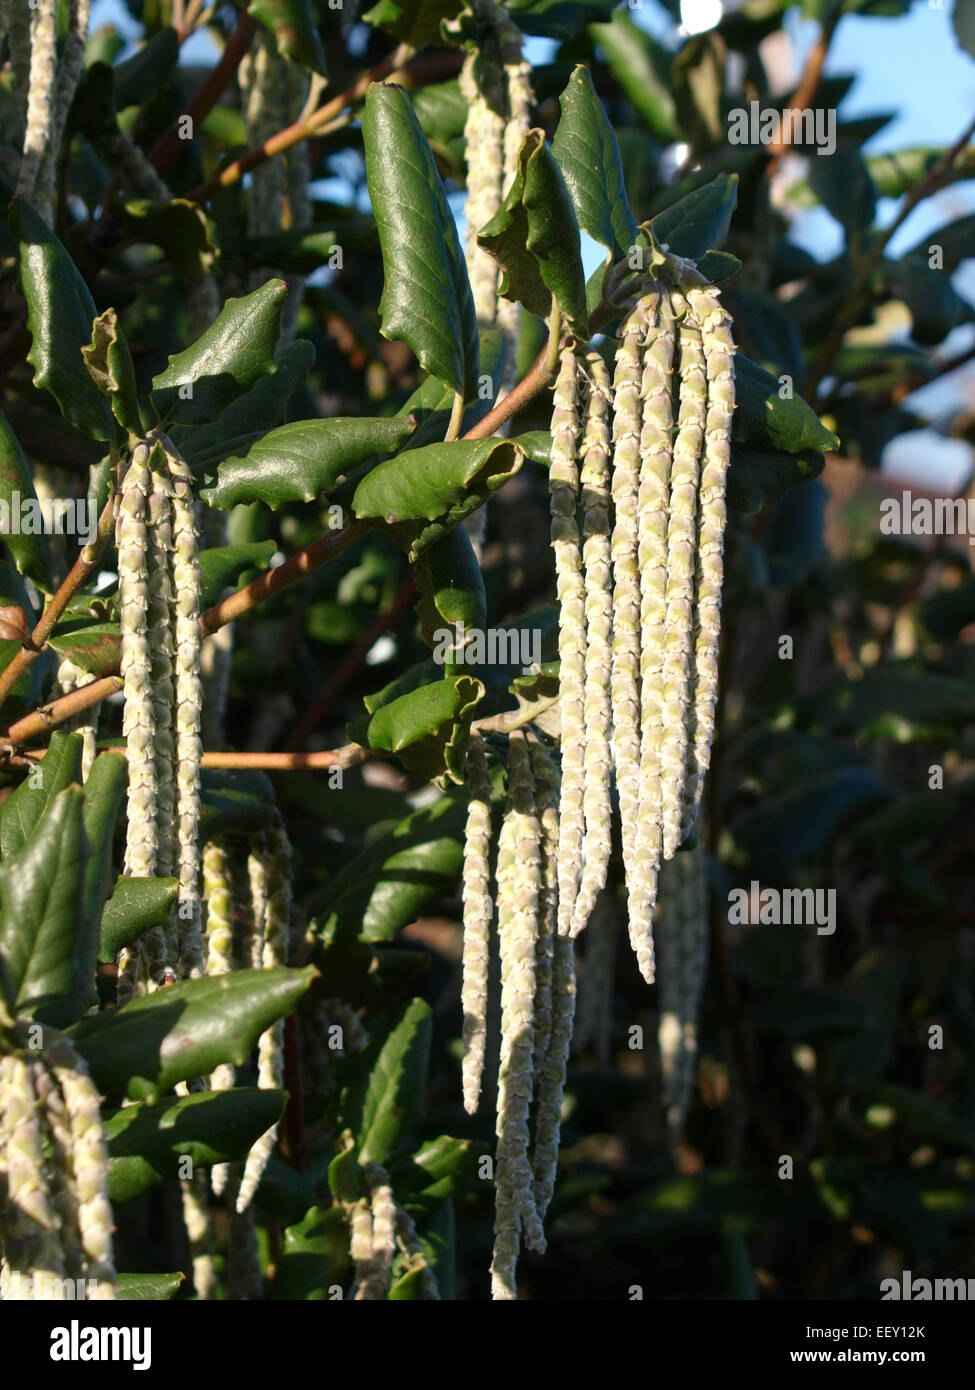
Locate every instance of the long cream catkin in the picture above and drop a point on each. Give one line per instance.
(478, 909)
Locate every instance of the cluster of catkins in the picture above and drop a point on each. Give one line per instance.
(639, 587)
(537, 989)
(378, 1228)
(159, 603)
(55, 1217)
(637, 493)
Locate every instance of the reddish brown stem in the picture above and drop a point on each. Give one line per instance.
(209, 93)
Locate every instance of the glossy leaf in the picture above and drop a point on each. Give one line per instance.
(143, 1048)
(30, 552)
(42, 900)
(425, 492)
(642, 67)
(534, 237)
(428, 728)
(135, 905)
(699, 221)
(147, 1143)
(60, 312)
(304, 460)
(225, 361)
(292, 22)
(586, 151)
(23, 809)
(393, 1097)
(426, 300)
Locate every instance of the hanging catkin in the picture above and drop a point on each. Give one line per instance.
(41, 113)
(719, 349)
(274, 904)
(564, 497)
(681, 550)
(625, 678)
(31, 1242)
(547, 799)
(218, 896)
(482, 88)
(189, 702)
(476, 894)
(681, 926)
(596, 559)
(518, 885)
(89, 1163)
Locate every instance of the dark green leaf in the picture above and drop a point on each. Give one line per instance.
(150, 1043)
(60, 312)
(843, 185)
(385, 887)
(109, 364)
(16, 485)
(699, 221)
(246, 418)
(225, 360)
(224, 564)
(534, 237)
(135, 905)
(146, 1143)
(426, 299)
(393, 1099)
(238, 800)
(304, 460)
(138, 77)
(451, 585)
(764, 416)
(796, 823)
(42, 900)
(587, 153)
(428, 727)
(438, 485)
(23, 809)
(94, 646)
(416, 22)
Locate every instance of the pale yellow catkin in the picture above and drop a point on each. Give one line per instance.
(682, 528)
(481, 87)
(596, 558)
(625, 676)
(28, 1219)
(40, 95)
(89, 1163)
(478, 909)
(656, 446)
(719, 351)
(563, 500)
(547, 799)
(518, 880)
(218, 896)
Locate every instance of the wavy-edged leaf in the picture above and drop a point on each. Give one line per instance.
(225, 361)
(42, 900)
(246, 418)
(94, 646)
(416, 22)
(393, 1099)
(451, 585)
(109, 364)
(30, 552)
(534, 237)
(303, 460)
(60, 313)
(426, 300)
(586, 151)
(147, 1143)
(424, 492)
(762, 415)
(21, 812)
(135, 905)
(699, 221)
(144, 1047)
(427, 728)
